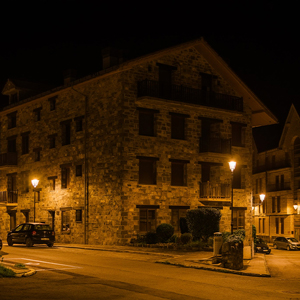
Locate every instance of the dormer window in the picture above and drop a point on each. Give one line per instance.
(13, 98)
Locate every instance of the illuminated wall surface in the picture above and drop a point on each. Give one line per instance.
(119, 152)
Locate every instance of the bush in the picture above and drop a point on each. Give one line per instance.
(183, 225)
(186, 238)
(164, 232)
(203, 222)
(173, 239)
(254, 234)
(151, 238)
(238, 236)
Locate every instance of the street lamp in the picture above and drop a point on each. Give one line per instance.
(34, 183)
(262, 197)
(232, 165)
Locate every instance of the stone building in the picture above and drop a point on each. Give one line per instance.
(276, 174)
(135, 145)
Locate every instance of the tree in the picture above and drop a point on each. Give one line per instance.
(203, 222)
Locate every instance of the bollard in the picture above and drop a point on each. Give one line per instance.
(218, 241)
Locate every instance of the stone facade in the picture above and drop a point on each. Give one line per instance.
(276, 174)
(84, 141)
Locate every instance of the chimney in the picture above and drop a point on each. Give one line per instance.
(111, 57)
(69, 76)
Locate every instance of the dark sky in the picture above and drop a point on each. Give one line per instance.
(258, 39)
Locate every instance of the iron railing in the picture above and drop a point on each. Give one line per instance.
(282, 186)
(185, 94)
(9, 196)
(8, 159)
(214, 190)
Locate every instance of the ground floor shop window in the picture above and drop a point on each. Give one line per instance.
(65, 221)
(147, 219)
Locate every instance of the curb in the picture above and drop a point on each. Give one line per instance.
(214, 269)
(26, 274)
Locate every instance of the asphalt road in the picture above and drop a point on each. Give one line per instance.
(64, 273)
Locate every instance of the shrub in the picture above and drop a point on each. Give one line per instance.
(238, 236)
(173, 239)
(203, 222)
(183, 225)
(186, 238)
(151, 238)
(254, 234)
(164, 232)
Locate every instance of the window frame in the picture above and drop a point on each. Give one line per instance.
(147, 121)
(147, 170)
(178, 169)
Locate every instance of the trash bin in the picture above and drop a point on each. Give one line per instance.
(218, 241)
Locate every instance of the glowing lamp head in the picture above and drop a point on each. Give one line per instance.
(34, 182)
(262, 197)
(295, 206)
(232, 165)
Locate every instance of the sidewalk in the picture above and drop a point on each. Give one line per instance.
(187, 259)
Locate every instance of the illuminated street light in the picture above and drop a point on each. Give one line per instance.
(262, 197)
(295, 206)
(232, 165)
(34, 183)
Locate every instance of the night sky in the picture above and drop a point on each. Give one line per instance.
(258, 39)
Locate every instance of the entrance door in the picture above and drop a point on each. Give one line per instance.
(297, 233)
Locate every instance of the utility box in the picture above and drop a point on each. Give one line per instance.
(218, 241)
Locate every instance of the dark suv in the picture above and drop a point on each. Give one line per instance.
(30, 234)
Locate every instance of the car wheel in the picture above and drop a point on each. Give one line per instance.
(50, 244)
(288, 248)
(29, 242)
(9, 241)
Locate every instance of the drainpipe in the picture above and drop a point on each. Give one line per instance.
(86, 178)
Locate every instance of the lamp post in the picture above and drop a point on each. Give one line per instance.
(34, 183)
(232, 165)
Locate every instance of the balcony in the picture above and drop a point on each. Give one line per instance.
(9, 197)
(8, 159)
(151, 88)
(215, 145)
(210, 190)
(283, 186)
(273, 166)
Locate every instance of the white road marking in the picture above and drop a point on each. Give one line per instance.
(34, 262)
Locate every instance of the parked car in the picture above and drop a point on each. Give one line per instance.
(30, 234)
(288, 243)
(0, 243)
(262, 247)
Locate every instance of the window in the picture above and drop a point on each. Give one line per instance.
(78, 215)
(79, 123)
(147, 121)
(52, 180)
(178, 172)
(277, 225)
(52, 103)
(52, 141)
(237, 177)
(177, 212)
(278, 204)
(178, 126)
(12, 144)
(237, 134)
(147, 170)
(37, 154)
(273, 205)
(65, 176)
(25, 143)
(147, 218)
(282, 225)
(12, 188)
(65, 221)
(37, 114)
(78, 170)
(12, 120)
(66, 132)
(25, 181)
(238, 218)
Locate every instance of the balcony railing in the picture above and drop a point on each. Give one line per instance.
(278, 187)
(216, 145)
(214, 190)
(181, 93)
(274, 166)
(9, 197)
(8, 159)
